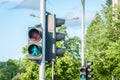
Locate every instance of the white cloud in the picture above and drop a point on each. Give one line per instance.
(89, 15)
(74, 26)
(29, 4)
(7, 1)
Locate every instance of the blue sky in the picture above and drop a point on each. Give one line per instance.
(15, 20)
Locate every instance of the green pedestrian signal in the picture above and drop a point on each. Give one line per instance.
(34, 50)
(82, 76)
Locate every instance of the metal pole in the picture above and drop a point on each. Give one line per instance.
(53, 69)
(83, 31)
(113, 78)
(42, 21)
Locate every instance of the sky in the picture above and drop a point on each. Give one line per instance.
(15, 19)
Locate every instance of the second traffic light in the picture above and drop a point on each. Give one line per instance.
(52, 37)
(89, 70)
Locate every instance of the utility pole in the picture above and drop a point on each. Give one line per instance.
(43, 25)
(83, 68)
(83, 32)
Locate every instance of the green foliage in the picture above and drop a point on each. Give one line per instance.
(67, 68)
(73, 46)
(7, 72)
(29, 70)
(113, 58)
(109, 2)
(103, 38)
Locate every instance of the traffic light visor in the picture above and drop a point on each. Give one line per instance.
(34, 35)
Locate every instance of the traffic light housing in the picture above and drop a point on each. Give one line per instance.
(89, 70)
(83, 73)
(35, 43)
(52, 37)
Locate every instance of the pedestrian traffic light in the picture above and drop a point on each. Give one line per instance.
(52, 37)
(35, 43)
(89, 70)
(83, 73)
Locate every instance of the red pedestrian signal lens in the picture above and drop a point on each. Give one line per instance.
(82, 70)
(34, 35)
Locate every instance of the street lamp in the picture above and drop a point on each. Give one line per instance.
(74, 18)
(33, 15)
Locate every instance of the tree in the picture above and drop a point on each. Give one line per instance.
(9, 71)
(109, 2)
(102, 44)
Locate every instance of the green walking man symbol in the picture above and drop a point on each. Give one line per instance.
(34, 51)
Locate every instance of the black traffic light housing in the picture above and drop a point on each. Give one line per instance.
(52, 37)
(89, 70)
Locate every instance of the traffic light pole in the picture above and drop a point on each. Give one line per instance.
(83, 32)
(42, 23)
(53, 63)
